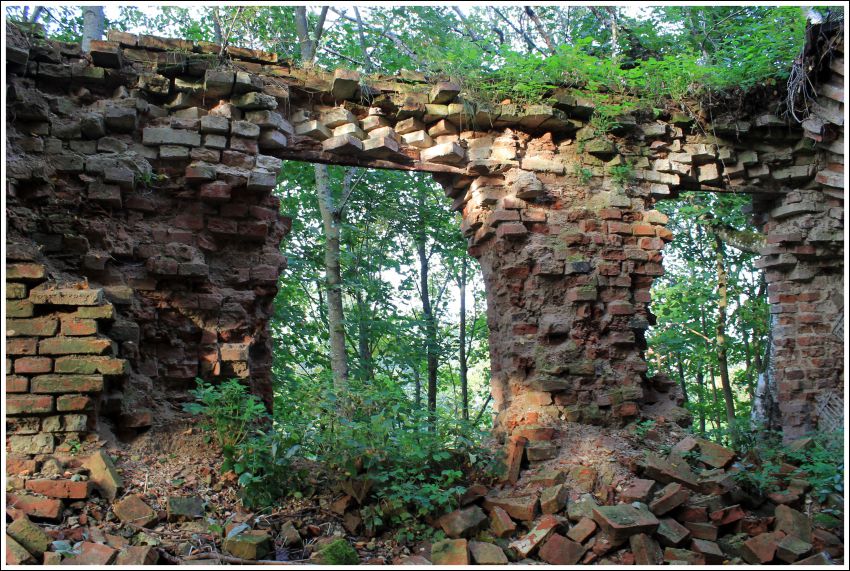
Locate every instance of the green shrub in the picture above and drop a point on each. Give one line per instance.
(372, 434)
(413, 470)
(259, 455)
(228, 410)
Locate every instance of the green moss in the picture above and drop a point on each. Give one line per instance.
(338, 552)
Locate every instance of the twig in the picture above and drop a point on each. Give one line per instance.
(239, 560)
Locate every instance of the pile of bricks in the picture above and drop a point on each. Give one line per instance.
(686, 508)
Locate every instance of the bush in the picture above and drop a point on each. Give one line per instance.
(228, 410)
(385, 442)
(261, 458)
(371, 436)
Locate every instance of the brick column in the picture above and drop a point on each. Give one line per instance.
(567, 281)
(802, 265)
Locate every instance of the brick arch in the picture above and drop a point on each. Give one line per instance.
(146, 168)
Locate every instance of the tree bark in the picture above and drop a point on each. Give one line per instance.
(722, 306)
(427, 313)
(701, 399)
(716, 415)
(308, 46)
(682, 376)
(540, 29)
(93, 24)
(331, 222)
(464, 394)
(333, 278)
(364, 351)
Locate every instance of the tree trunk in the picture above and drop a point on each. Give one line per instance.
(427, 313)
(93, 24)
(716, 407)
(701, 397)
(464, 394)
(682, 376)
(750, 374)
(308, 46)
(333, 277)
(331, 222)
(365, 353)
(722, 306)
(430, 329)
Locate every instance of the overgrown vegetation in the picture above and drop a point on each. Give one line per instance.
(816, 465)
(370, 441)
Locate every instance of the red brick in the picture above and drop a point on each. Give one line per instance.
(761, 548)
(216, 191)
(24, 271)
(77, 326)
(74, 345)
(500, 523)
(611, 214)
(640, 229)
(28, 404)
(558, 550)
(67, 384)
(619, 228)
(541, 531)
(95, 554)
(671, 496)
(36, 508)
(727, 515)
(256, 230)
(15, 466)
(22, 346)
(646, 550)
(638, 491)
(65, 489)
(17, 384)
(650, 243)
(513, 459)
(581, 531)
(702, 530)
(511, 230)
(33, 365)
(65, 403)
(37, 327)
(522, 508)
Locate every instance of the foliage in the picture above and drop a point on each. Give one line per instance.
(820, 464)
(228, 410)
(621, 174)
(383, 438)
(643, 427)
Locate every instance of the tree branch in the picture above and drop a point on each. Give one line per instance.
(528, 41)
(540, 29)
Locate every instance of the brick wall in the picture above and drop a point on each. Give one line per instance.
(145, 169)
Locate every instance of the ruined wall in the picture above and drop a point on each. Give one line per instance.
(144, 171)
(803, 258)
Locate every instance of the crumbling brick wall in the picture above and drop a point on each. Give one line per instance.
(145, 170)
